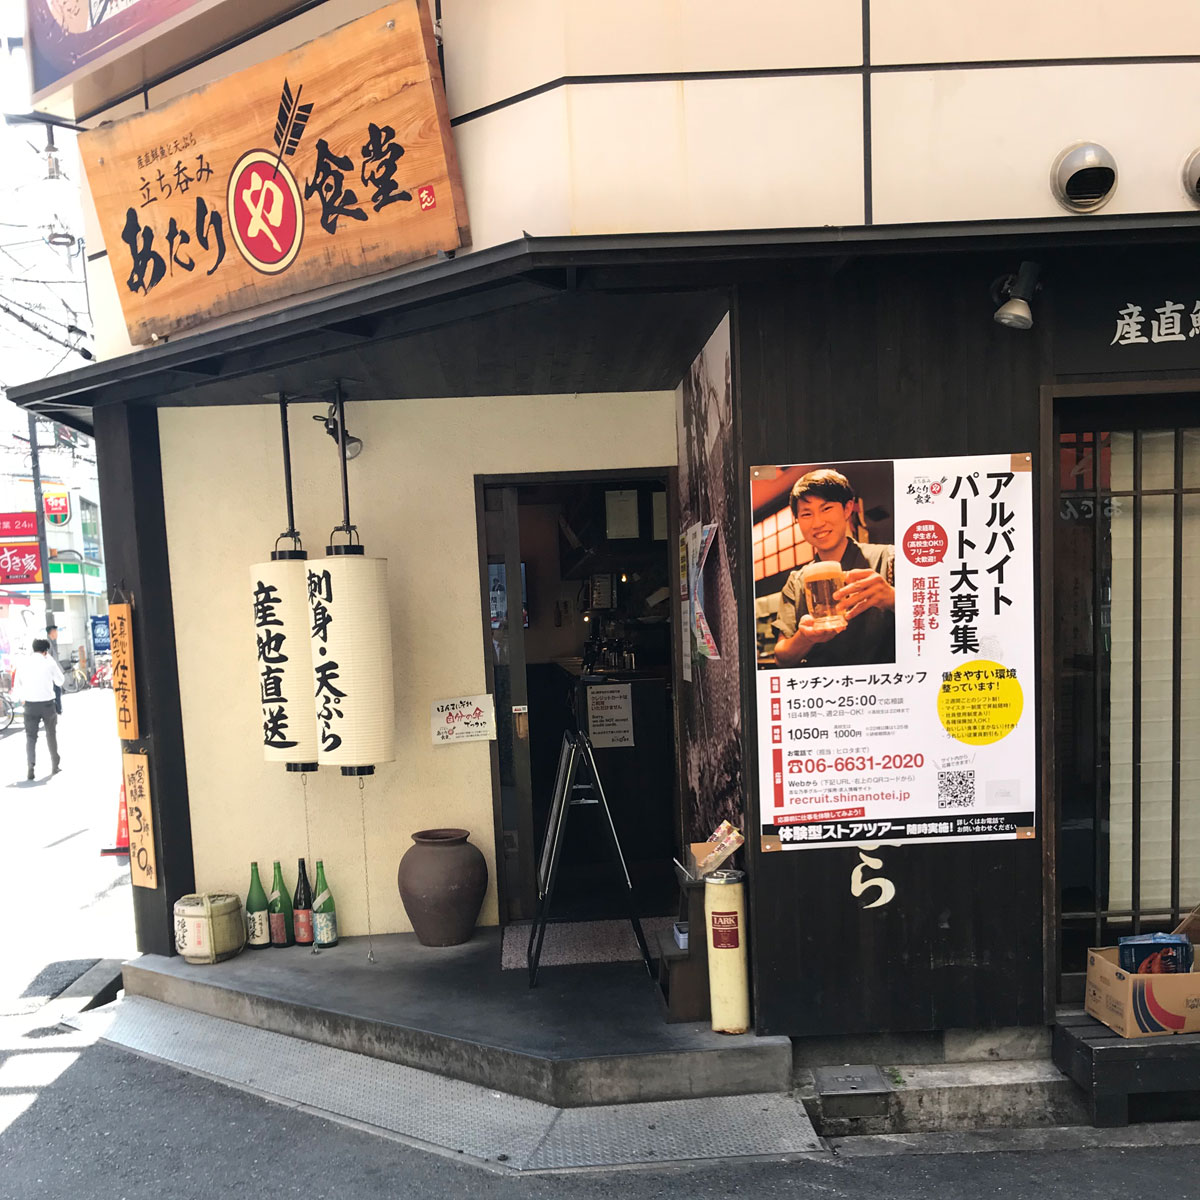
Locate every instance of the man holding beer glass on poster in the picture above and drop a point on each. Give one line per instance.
(839, 609)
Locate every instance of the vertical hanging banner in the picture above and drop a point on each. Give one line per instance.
(285, 681)
(143, 868)
(120, 631)
(898, 703)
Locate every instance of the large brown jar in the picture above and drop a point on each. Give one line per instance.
(442, 880)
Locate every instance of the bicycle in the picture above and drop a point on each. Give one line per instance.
(8, 710)
(76, 678)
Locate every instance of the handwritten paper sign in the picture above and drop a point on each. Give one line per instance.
(610, 715)
(463, 719)
(143, 868)
(120, 628)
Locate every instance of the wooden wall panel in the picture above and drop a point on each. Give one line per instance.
(887, 360)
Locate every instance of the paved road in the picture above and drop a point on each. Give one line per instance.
(98, 1123)
(67, 906)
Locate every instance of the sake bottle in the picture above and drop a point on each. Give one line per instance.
(302, 906)
(324, 914)
(258, 927)
(280, 909)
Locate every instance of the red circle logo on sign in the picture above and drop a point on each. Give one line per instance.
(925, 543)
(266, 213)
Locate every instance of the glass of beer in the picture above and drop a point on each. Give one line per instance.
(821, 580)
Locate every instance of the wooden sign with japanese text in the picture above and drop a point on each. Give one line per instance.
(120, 626)
(328, 163)
(143, 867)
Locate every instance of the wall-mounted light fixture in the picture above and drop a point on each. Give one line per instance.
(353, 446)
(1012, 294)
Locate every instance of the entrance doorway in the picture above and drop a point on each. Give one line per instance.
(577, 613)
(1127, 670)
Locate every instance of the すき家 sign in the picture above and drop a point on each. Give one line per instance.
(328, 163)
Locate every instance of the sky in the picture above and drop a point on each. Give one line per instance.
(41, 284)
(43, 296)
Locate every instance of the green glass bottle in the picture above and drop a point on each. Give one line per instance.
(258, 927)
(324, 914)
(279, 905)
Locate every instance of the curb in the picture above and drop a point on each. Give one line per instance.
(98, 985)
(1000, 1141)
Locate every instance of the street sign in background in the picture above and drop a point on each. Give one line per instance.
(18, 525)
(100, 635)
(20, 563)
(57, 506)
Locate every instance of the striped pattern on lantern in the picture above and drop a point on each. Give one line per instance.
(289, 726)
(352, 660)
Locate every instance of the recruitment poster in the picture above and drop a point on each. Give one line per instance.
(895, 651)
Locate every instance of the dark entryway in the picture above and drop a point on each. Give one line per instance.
(593, 609)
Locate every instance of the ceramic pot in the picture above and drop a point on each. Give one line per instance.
(442, 879)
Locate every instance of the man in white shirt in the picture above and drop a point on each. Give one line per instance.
(37, 677)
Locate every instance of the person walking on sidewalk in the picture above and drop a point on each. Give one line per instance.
(37, 678)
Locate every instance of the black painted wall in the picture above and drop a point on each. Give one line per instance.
(890, 359)
(135, 558)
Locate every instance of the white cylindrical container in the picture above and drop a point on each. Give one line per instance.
(351, 627)
(209, 927)
(725, 926)
(281, 614)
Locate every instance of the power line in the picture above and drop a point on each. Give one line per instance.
(44, 332)
(69, 326)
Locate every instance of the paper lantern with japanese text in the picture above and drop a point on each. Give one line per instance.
(289, 726)
(352, 660)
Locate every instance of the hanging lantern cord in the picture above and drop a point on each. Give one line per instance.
(307, 836)
(290, 531)
(362, 803)
(351, 531)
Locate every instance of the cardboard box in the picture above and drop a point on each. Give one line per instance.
(1140, 1005)
(1190, 925)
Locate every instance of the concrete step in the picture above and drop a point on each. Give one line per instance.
(947, 1097)
(586, 1035)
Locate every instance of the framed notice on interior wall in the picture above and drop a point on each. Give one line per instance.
(326, 164)
(895, 694)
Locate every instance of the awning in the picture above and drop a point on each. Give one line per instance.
(534, 316)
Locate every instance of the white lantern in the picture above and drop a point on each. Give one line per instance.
(352, 660)
(281, 613)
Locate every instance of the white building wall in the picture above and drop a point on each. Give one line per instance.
(660, 116)
(413, 500)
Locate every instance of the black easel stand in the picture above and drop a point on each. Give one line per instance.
(576, 754)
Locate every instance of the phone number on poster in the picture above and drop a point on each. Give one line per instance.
(855, 762)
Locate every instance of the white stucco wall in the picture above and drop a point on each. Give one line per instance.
(412, 497)
(772, 135)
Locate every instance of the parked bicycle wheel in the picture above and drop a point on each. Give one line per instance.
(75, 680)
(8, 711)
